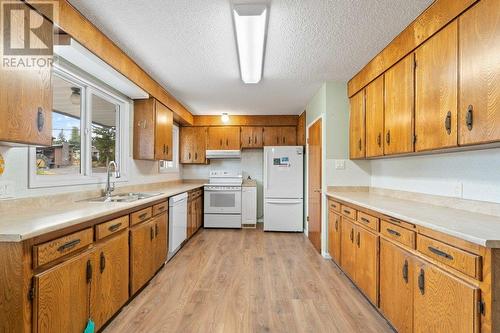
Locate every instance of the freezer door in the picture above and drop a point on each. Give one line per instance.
(283, 172)
(283, 215)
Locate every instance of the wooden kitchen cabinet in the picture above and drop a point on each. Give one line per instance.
(375, 118)
(193, 145)
(357, 126)
(396, 286)
(142, 255)
(436, 84)
(348, 247)
(301, 129)
(479, 74)
(195, 212)
(153, 127)
(111, 272)
(160, 246)
(442, 302)
(399, 107)
(366, 263)
(280, 136)
(61, 302)
(251, 137)
(334, 237)
(223, 138)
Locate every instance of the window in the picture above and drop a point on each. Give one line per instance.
(172, 166)
(89, 129)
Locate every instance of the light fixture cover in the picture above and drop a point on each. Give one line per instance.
(225, 118)
(250, 23)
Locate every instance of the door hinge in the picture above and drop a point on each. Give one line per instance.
(307, 219)
(481, 307)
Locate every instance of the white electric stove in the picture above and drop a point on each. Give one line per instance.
(222, 204)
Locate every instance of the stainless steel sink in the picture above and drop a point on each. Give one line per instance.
(124, 197)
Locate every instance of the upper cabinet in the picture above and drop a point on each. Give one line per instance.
(26, 95)
(357, 126)
(280, 136)
(479, 74)
(436, 90)
(193, 145)
(398, 119)
(251, 137)
(375, 118)
(301, 130)
(223, 138)
(153, 123)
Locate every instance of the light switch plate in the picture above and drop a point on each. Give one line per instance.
(340, 164)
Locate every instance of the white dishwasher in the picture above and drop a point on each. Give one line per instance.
(177, 223)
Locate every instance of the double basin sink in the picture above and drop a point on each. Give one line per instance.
(123, 197)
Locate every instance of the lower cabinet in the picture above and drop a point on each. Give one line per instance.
(61, 302)
(396, 286)
(195, 212)
(442, 302)
(111, 275)
(347, 247)
(160, 241)
(334, 235)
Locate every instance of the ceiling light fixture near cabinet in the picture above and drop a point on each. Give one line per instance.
(250, 24)
(225, 118)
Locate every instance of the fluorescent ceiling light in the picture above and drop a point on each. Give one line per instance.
(250, 23)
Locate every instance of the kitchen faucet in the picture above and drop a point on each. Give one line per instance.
(110, 188)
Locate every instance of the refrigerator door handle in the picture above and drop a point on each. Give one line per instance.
(286, 201)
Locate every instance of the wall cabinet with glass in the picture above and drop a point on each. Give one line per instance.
(153, 123)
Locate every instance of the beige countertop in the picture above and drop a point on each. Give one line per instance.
(20, 224)
(473, 227)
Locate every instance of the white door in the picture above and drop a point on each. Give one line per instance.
(283, 172)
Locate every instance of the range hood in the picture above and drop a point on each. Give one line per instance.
(221, 154)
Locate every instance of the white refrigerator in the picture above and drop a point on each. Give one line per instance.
(284, 188)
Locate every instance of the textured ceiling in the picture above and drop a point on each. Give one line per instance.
(188, 46)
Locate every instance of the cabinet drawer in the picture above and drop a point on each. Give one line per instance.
(349, 212)
(334, 205)
(57, 248)
(160, 208)
(368, 220)
(397, 233)
(141, 216)
(107, 228)
(463, 261)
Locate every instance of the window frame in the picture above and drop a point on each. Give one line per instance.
(86, 177)
(175, 168)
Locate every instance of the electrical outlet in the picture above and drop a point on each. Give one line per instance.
(458, 190)
(340, 164)
(5, 189)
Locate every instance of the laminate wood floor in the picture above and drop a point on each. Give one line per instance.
(249, 281)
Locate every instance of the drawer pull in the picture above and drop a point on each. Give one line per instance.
(421, 281)
(440, 253)
(347, 211)
(405, 271)
(364, 219)
(143, 216)
(161, 208)
(68, 245)
(393, 232)
(114, 227)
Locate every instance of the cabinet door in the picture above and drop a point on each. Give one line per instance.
(396, 286)
(144, 129)
(399, 107)
(443, 303)
(375, 118)
(232, 138)
(200, 145)
(366, 263)
(112, 278)
(26, 95)
(289, 136)
(334, 235)
(251, 137)
(62, 295)
(223, 138)
(160, 241)
(141, 255)
(187, 144)
(479, 95)
(436, 90)
(357, 126)
(164, 120)
(301, 130)
(272, 136)
(348, 247)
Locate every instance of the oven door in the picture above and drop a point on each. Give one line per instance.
(222, 201)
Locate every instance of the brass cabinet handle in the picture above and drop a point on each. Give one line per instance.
(143, 216)
(469, 117)
(447, 123)
(152, 233)
(364, 219)
(167, 149)
(393, 232)
(405, 271)
(421, 281)
(68, 245)
(347, 211)
(388, 137)
(195, 156)
(440, 253)
(379, 139)
(351, 236)
(360, 144)
(102, 262)
(337, 224)
(88, 272)
(114, 227)
(358, 239)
